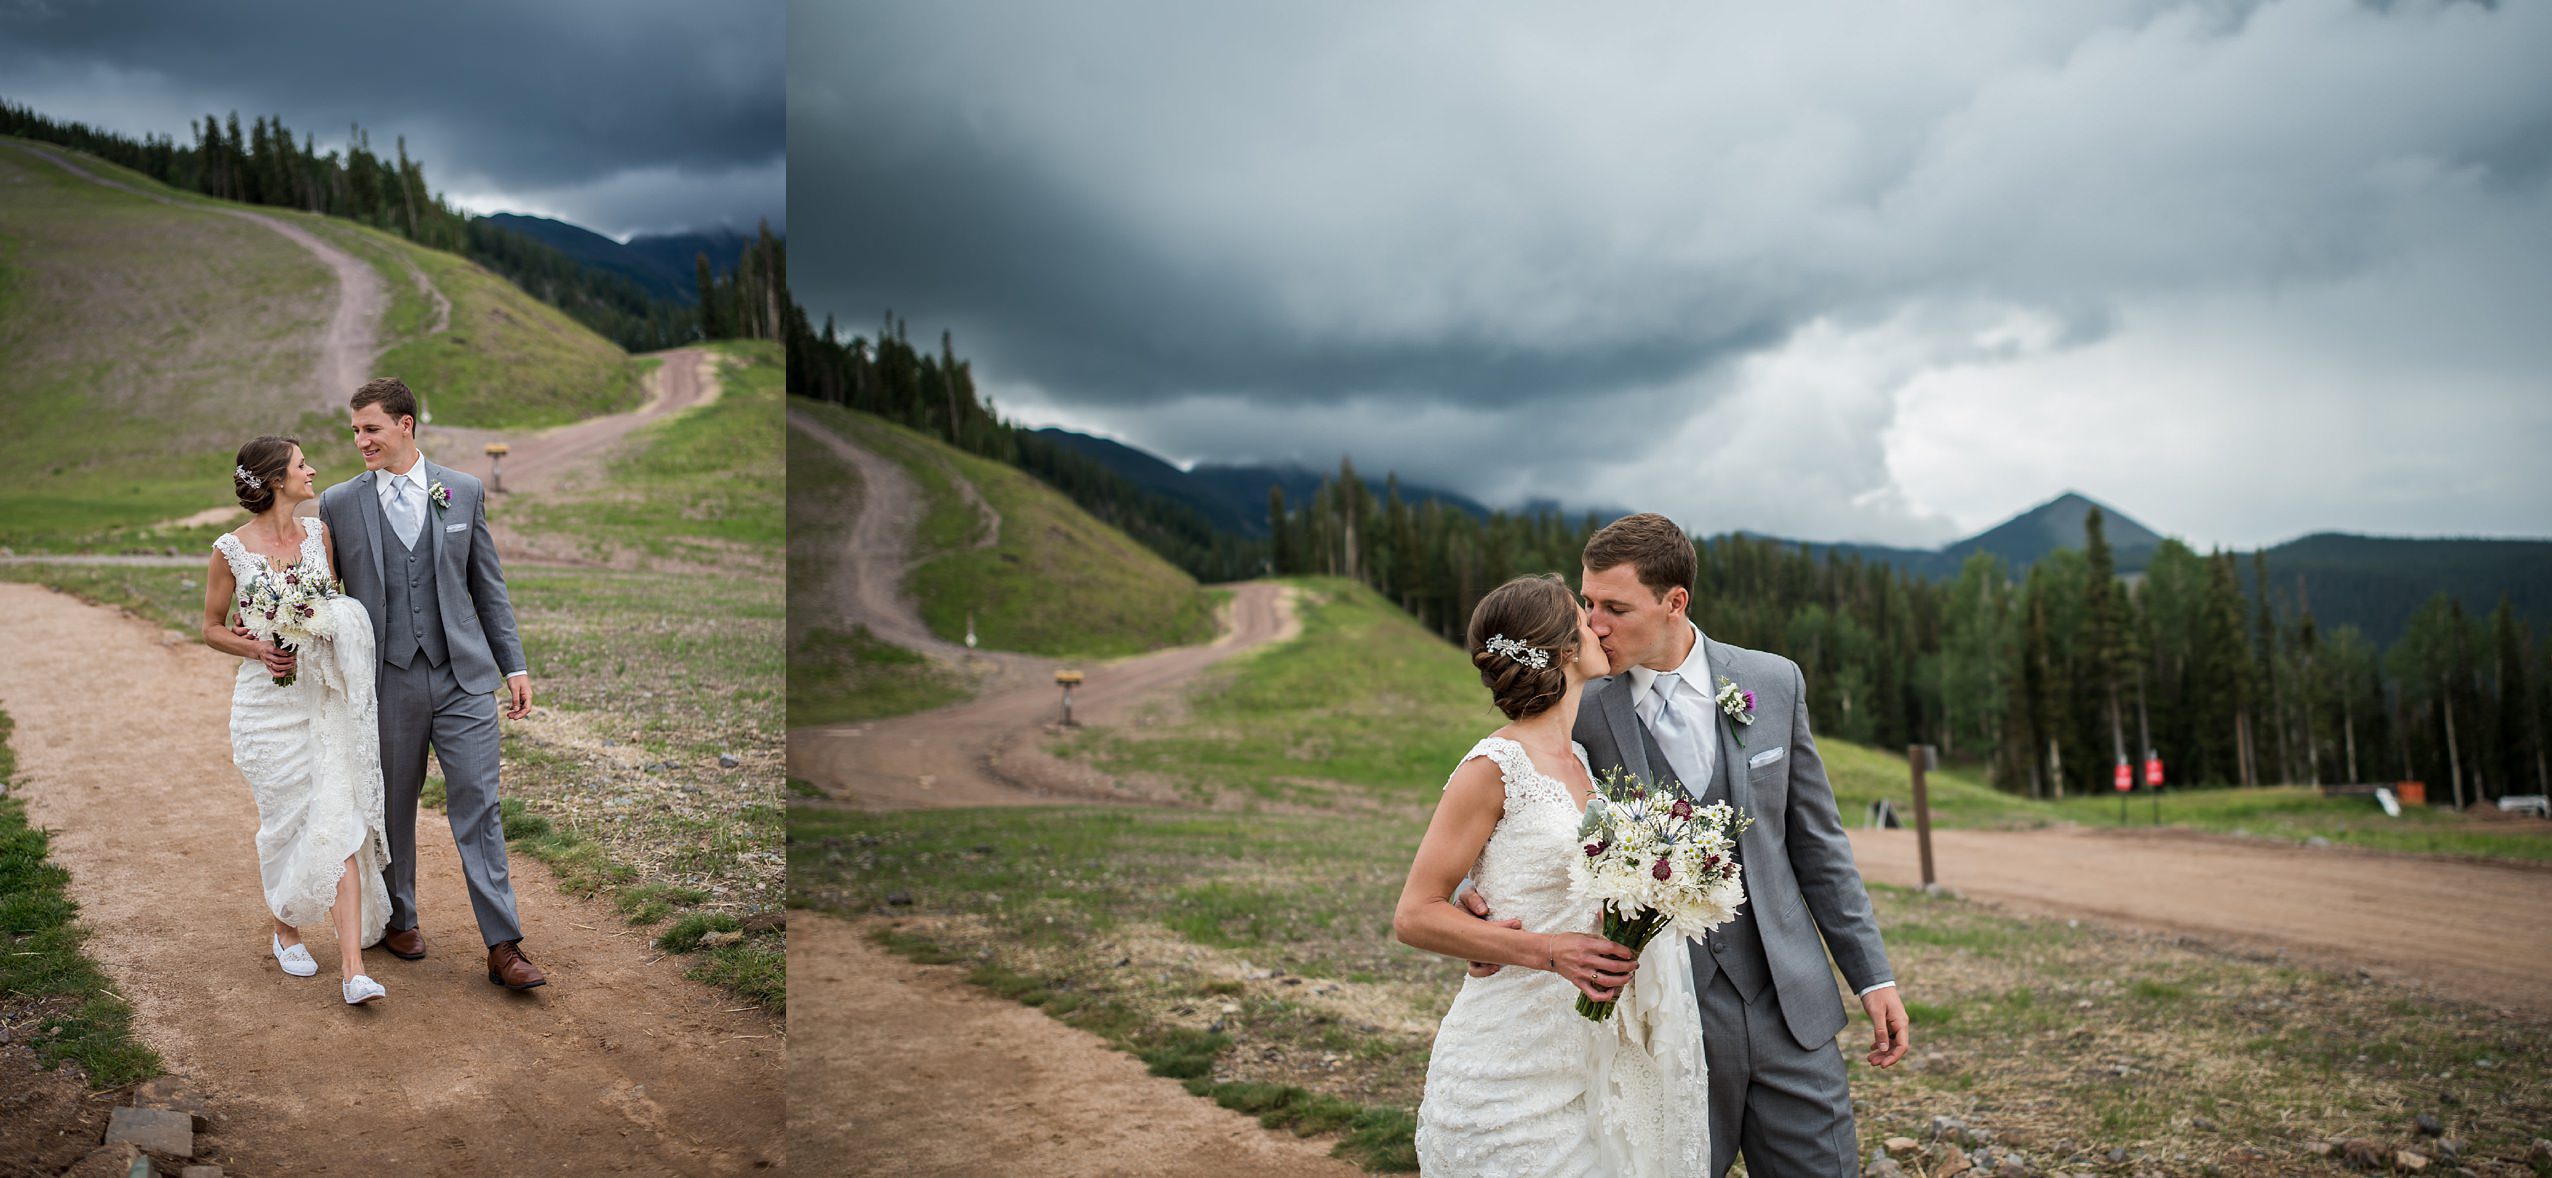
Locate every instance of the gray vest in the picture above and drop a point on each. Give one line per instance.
(411, 611)
(1734, 948)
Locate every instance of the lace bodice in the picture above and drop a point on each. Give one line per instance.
(1523, 869)
(246, 566)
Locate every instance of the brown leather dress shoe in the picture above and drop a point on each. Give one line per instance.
(507, 967)
(406, 944)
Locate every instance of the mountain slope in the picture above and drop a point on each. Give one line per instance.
(1232, 497)
(1030, 569)
(661, 264)
(2059, 523)
(145, 333)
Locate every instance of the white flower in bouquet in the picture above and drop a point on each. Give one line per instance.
(1653, 859)
(289, 608)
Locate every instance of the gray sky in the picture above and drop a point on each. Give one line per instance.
(1884, 272)
(625, 116)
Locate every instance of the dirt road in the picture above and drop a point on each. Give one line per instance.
(982, 752)
(547, 460)
(2472, 930)
(347, 349)
(620, 1065)
(867, 585)
(985, 1086)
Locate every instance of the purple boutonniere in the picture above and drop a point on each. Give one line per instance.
(440, 495)
(1738, 705)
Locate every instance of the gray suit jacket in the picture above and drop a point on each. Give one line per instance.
(1800, 879)
(469, 586)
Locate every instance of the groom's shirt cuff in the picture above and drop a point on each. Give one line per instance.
(520, 674)
(1887, 985)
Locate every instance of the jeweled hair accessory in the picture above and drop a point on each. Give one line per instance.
(254, 483)
(1531, 656)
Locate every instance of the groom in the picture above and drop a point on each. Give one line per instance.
(411, 544)
(1769, 1010)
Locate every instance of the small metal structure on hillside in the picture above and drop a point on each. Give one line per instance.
(496, 452)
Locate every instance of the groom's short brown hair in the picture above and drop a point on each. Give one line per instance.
(390, 393)
(1652, 545)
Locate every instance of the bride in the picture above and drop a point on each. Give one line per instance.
(311, 750)
(1520, 1083)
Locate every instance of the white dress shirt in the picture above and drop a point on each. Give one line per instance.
(1696, 708)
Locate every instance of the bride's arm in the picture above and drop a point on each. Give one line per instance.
(219, 585)
(1427, 918)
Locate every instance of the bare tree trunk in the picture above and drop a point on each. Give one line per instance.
(2454, 754)
(2242, 746)
(2348, 729)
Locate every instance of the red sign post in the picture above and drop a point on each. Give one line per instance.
(2126, 781)
(2153, 781)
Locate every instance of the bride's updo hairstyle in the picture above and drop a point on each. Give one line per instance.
(1541, 613)
(266, 460)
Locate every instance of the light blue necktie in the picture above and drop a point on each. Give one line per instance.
(1674, 733)
(406, 514)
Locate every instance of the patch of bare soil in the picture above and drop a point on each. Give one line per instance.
(2474, 930)
(901, 1068)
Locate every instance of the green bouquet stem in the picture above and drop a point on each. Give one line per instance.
(1630, 932)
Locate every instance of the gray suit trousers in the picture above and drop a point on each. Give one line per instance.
(425, 707)
(1786, 1108)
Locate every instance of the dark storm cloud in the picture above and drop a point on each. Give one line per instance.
(622, 116)
(1849, 271)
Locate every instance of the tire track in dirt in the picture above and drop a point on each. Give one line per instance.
(2470, 929)
(620, 1065)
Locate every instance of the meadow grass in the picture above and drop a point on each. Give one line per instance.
(705, 486)
(1242, 943)
(1054, 582)
(140, 344)
(51, 994)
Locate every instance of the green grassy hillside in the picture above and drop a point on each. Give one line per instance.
(506, 360)
(1054, 581)
(139, 346)
(142, 342)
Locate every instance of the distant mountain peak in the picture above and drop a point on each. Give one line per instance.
(2057, 523)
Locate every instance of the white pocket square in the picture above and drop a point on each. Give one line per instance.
(455, 527)
(1766, 757)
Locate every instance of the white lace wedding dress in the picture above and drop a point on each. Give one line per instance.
(1519, 1082)
(311, 752)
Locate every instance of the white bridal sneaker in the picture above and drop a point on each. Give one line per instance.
(360, 989)
(296, 960)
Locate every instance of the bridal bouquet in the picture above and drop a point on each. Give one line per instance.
(1652, 859)
(288, 608)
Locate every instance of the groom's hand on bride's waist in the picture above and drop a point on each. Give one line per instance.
(1473, 904)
